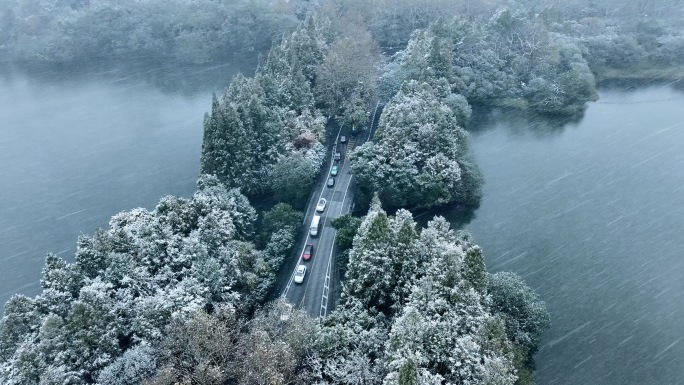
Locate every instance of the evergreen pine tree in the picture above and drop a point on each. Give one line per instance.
(406, 256)
(369, 261)
(474, 270)
(408, 373)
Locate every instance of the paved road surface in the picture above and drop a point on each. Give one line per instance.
(315, 294)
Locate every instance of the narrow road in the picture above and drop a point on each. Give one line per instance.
(314, 294)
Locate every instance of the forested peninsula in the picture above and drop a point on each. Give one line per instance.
(185, 293)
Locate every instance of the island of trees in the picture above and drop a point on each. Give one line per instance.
(183, 293)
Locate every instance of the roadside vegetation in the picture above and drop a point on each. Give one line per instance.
(419, 156)
(418, 307)
(102, 318)
(178, 294)
(266, 135)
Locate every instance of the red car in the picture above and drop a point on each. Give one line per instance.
(308, 252)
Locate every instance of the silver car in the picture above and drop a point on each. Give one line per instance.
(321, 205)
(299, 274)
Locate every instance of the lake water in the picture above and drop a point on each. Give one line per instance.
(76, 150)
(591, 215)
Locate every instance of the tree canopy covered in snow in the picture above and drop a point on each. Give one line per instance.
(512, 59)
(186, 31)
(175, 296)
(220, 348)
(419, 156)
(640, 39)
(103, 316)
(265, 131)
(268, 131)
(418, 307)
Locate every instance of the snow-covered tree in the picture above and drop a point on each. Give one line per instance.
(419, 156)
(200, 348)
(223, 347)
(274, 346)
(347, 78)
(438, 323)
(293, 177)
(243, 136)
(101, 315)
(512, 59)
(135, 365)
(20, 317)
(442, 328)
(283, 81)
(310, 43)
(266, 129)
(349, 346)
(370, 261)
(525, 314)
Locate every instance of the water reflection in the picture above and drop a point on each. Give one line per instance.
(457, 215)
(519, 123)
(168, 77)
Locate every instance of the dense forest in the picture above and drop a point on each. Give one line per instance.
(67, 32)
(640, 39)
(176, 296)
(180, 294)
(113, 306)
(267, 131)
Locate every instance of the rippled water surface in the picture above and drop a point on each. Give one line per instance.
(591, 214)
(75, 151)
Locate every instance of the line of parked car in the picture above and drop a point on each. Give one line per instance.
(335, 169)
(300, 273)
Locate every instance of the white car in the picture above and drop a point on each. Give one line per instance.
(321, 205)
(299, 274)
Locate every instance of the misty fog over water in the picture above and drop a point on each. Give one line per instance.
(591, 215)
